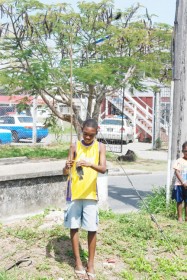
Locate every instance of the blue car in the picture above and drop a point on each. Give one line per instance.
(5, 136)
(21, 127)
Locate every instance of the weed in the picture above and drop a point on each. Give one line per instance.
(107, 215)
(167, 266)
(23, 233)
(140, 264)
(136, 225)
(56, 151)
(44, 266)
(59, 232)
(158, 143)
(127, 275)
(4, 276)
(156, 203)
(131, 239)
(50, 209)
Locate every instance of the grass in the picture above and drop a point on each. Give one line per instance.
(141, 250)
(138, 247)
(50, 151)
(146, 164)
(156, 203)
(133, 240)
(60, 151)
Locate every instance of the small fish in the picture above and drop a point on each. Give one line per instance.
(80, 172)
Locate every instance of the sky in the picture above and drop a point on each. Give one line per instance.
(164, 9)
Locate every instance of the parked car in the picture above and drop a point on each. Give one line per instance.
(5, 136)
(21, 127)
(114, 129)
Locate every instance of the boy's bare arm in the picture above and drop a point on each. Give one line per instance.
(179, 177)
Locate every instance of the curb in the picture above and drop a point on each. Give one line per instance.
(111, 172)
(13, 160)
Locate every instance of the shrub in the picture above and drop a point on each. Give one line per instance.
(156, 203)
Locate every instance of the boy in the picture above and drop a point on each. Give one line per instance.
(85, 160)
(180, 188)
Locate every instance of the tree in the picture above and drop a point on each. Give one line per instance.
(38, 42)
(179, 108)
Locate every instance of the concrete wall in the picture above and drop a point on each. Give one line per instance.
(30, 195)
(22, 197)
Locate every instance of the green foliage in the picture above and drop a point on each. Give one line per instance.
(4, 276)
(44, 266)
(136, 226)
(156, 203)
(122, 237)
(23, 233)
(58, 152)
(158, 143)
(105, 215)
(127, 275)
(52, 122)
(37, 60)
(141, 265)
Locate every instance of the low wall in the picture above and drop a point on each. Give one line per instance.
(31, 195)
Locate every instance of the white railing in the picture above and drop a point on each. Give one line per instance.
(139, 114)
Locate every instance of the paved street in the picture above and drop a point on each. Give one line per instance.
(122, 196)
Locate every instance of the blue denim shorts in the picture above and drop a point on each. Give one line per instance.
(82, 213)
(179, 193)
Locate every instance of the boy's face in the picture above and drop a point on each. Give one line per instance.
(185, 152)
(89, 134)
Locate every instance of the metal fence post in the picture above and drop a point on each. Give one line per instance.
(34, 136)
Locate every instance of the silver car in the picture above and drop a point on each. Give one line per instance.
(112, 129)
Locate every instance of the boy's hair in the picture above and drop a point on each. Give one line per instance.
(184, 145)
(90, 123)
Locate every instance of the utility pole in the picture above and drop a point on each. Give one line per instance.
(179, 118)
(34, 132)
(156, 118)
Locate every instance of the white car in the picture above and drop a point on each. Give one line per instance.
(112, 130)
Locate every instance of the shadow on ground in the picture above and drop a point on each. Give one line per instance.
(126, 196)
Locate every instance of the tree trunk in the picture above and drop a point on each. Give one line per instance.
(179, 119)
(96, 110)
(90, 101)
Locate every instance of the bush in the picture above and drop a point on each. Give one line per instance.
(158, 143)
(156, 203)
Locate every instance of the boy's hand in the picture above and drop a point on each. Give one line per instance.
(84, 163)
(185, 185)
(69, 163)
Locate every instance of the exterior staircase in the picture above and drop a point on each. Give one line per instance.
(138, 112)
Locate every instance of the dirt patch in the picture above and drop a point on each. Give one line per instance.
(46, 245)
(144, 165)
(129, 247)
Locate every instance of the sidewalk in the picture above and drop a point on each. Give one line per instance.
(20, 168)
(144, 150)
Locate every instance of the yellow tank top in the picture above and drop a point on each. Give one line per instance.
(87, 187)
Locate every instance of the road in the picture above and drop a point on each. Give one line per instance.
(123, 198)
